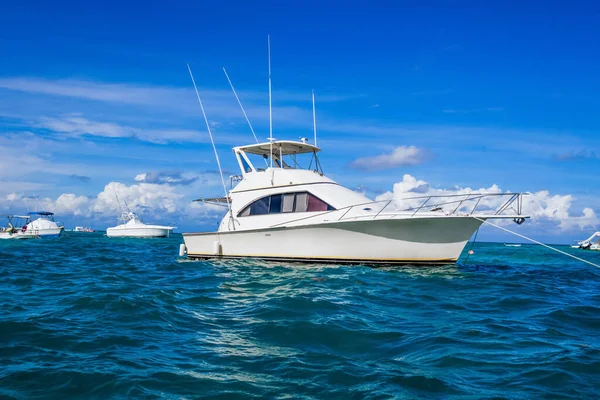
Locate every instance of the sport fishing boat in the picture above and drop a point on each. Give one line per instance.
(133, 226)
(284, 208)
(16, 228)
(288, 213)
(44, 225)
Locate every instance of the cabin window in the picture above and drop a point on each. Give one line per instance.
(260, 206)
(275, 207)
(286, 203)
(301, 202)
(316, 204)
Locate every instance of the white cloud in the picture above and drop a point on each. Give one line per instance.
(401, 156)
(167, 177)
(76, 125)
(542, 206)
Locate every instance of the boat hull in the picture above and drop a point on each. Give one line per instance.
(138, 232)
(430, 241)
(49, 232)
(18, 235)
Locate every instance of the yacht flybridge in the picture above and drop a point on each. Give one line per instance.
(280, 210)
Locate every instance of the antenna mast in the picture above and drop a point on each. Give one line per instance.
(314, 117)
(240, 103)
(213, 143)
(270, 107)
(117, 197)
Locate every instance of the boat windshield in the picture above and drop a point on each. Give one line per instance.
(285, 154)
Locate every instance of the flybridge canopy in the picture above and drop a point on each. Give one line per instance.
(280, 147)
(284, 155)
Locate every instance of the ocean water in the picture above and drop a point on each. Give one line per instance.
(90, 317)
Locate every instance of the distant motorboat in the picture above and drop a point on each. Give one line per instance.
(512, 245)
(590, 243)
(44, 225)
(83, 229)
(133, 226)
(16, 228)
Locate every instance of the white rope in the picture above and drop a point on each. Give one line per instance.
(536, 242)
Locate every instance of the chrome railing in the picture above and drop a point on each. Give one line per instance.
(460, 205)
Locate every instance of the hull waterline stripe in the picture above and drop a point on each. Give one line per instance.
(326, 258)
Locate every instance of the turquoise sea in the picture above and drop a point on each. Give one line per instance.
(90, 317)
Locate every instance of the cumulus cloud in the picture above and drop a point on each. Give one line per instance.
(542, 206)
(167, 177)
(400, 156)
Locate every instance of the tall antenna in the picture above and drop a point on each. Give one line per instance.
(314, 117)
(212, 141)
(25, 201)
(270, 107)
(118, 203)
(39, 204)
(240, 103)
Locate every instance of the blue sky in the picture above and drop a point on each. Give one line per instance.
(489, 93)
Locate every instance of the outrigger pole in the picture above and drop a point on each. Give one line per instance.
(314, 117)
(270, 105)
(213, 143)
(240, 103)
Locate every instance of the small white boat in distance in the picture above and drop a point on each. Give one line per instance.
(133, 226)
(83, 229)
(16, 228)
(590, 243)
(44, 225)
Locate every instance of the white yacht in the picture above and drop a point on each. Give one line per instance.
(16, 228)
(591, 243)
(44, 225)
(288, 213)
(133, 226)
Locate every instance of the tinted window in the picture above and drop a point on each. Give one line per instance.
(316, 204)
(260, 206)
(275, 204)
(288, 202)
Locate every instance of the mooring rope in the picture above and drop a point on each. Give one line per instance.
(536, 242)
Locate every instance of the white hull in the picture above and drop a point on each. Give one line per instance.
(49, 232)
(425, 240)
(147, 232)
(18, 235)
